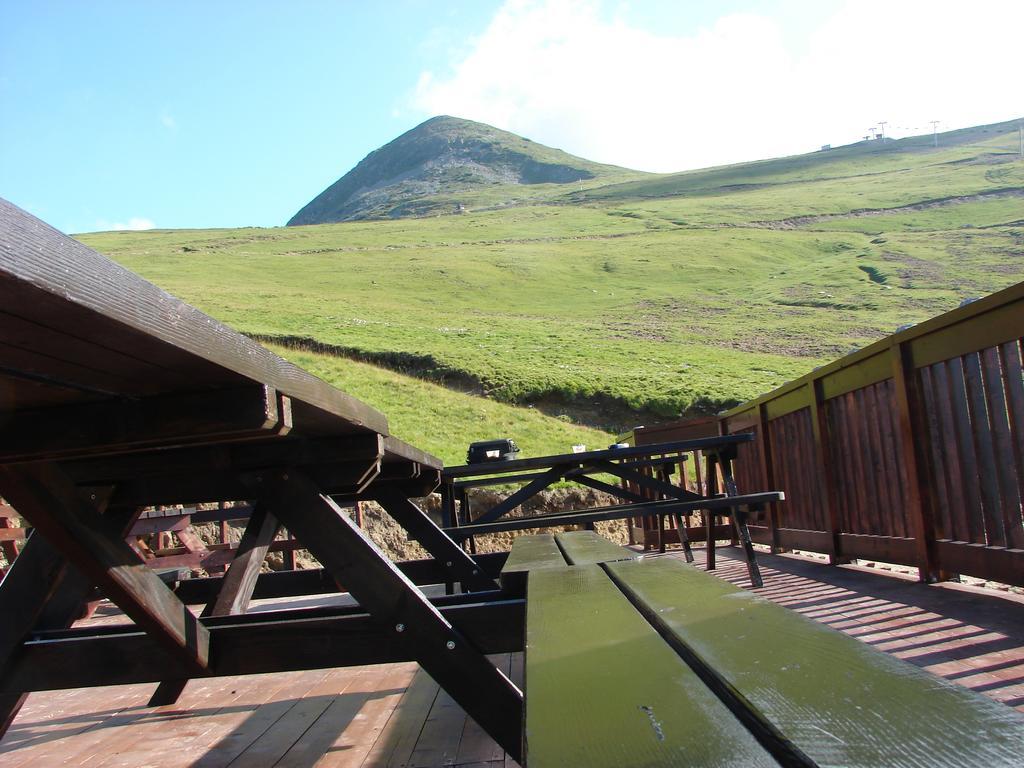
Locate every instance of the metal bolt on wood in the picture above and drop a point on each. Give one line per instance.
(399, 627)
(450, 645)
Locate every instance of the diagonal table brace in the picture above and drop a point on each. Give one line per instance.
(529, 490)
(724, 461)
(50, 501)
(235, 588)
(452, 557)
(625, 472)
(42, 591)
(487, 695)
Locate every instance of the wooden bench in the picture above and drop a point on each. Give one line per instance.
(544, 551)
(651, 662)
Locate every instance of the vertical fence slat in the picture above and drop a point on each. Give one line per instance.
(909, 406)
(826, 467)
(862, 469)
(855, 489)
(833, 410)
(939, 471)
(768, 468)
(981, 431)
(893, 450)
(965, 447)
(876, 465)
(998, 417)
(958, 503)
(1013, 379)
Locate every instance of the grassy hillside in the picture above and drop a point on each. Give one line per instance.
(447, 163)
(440, 421)
(682, 292)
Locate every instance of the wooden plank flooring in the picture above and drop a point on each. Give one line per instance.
(394, 715)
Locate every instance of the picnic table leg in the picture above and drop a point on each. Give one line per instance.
(711, 486)
(631, 536)
(447, 503)
(739, 523)
(743, 534)
(415, 521)
(49, 500)
(236, 586)
(462, 513)
(486, 695)
(42, 591)
(684, 538)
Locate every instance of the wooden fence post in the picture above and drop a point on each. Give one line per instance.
(826, 469)
(768, 470)
(913, 449)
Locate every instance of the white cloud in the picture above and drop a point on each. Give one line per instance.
(565, 73)
(134, 224)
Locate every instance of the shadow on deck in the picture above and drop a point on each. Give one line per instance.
(395, 715)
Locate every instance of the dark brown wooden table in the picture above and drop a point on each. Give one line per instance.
(644, 493)
(115, 396)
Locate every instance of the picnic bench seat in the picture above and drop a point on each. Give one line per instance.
(648, 661)
(556, 550)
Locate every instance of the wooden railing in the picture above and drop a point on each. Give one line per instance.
(909, 451)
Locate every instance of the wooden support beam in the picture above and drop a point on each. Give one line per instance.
(653, 484)
(49, 500)
(613, 490)
(739, 522)
(25, 589)
(253, 644)
(447, 655)
(202, 484)
(36, 577)
(317, 581)
(619, 512)
(236, 587)
(113, 426)
(542, 481)
(826, 470)
(44, 592)
(577, 459)
(447, 506)
(913, 450)
(768, 472)
(710, 522)
(459, 565)
(209, 473)
(10, 535)
(240, 580)
(572, 474)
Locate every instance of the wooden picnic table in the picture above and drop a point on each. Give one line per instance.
(636, 489)
(636, 660)
(115, 396)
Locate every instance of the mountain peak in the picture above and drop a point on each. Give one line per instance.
(418, 172)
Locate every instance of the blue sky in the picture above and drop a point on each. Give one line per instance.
(189, 114)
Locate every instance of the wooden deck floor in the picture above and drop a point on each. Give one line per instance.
(395, 715)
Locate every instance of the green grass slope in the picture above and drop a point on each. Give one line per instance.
(681, 293)
(440, 421)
